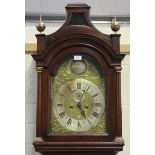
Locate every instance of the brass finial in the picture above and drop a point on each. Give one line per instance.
(40, 26)
(115, 26)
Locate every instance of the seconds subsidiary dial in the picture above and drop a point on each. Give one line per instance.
(78, 105)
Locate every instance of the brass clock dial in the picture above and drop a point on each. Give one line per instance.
(78, 105)
(78, 98)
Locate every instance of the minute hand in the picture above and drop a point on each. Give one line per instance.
(82, 94)
(79, 105)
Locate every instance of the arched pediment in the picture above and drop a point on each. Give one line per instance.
(75, 32)
(90, 41)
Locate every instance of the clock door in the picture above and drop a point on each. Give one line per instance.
(78, 98)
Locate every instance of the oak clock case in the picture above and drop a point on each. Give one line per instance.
(78, 88)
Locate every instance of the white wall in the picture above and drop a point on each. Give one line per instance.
(121, 7)
(31, 86)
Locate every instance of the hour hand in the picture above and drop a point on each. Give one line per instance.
(79, 105)
(82, 111)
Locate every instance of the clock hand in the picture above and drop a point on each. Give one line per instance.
(83, 94)
(79, 105)
(82, 111)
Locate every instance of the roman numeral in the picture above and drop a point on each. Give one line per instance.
(95, 95)
(62, 114)
(89, 121)
(69, 122)
(78, 85)
(88, 88)
(95, 114)
(59, 105)
(79, 125)
(97, 104)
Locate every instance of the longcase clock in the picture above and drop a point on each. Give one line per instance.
(79, 96)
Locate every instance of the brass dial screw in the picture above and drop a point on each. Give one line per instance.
(40, 26)
(115, 26)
